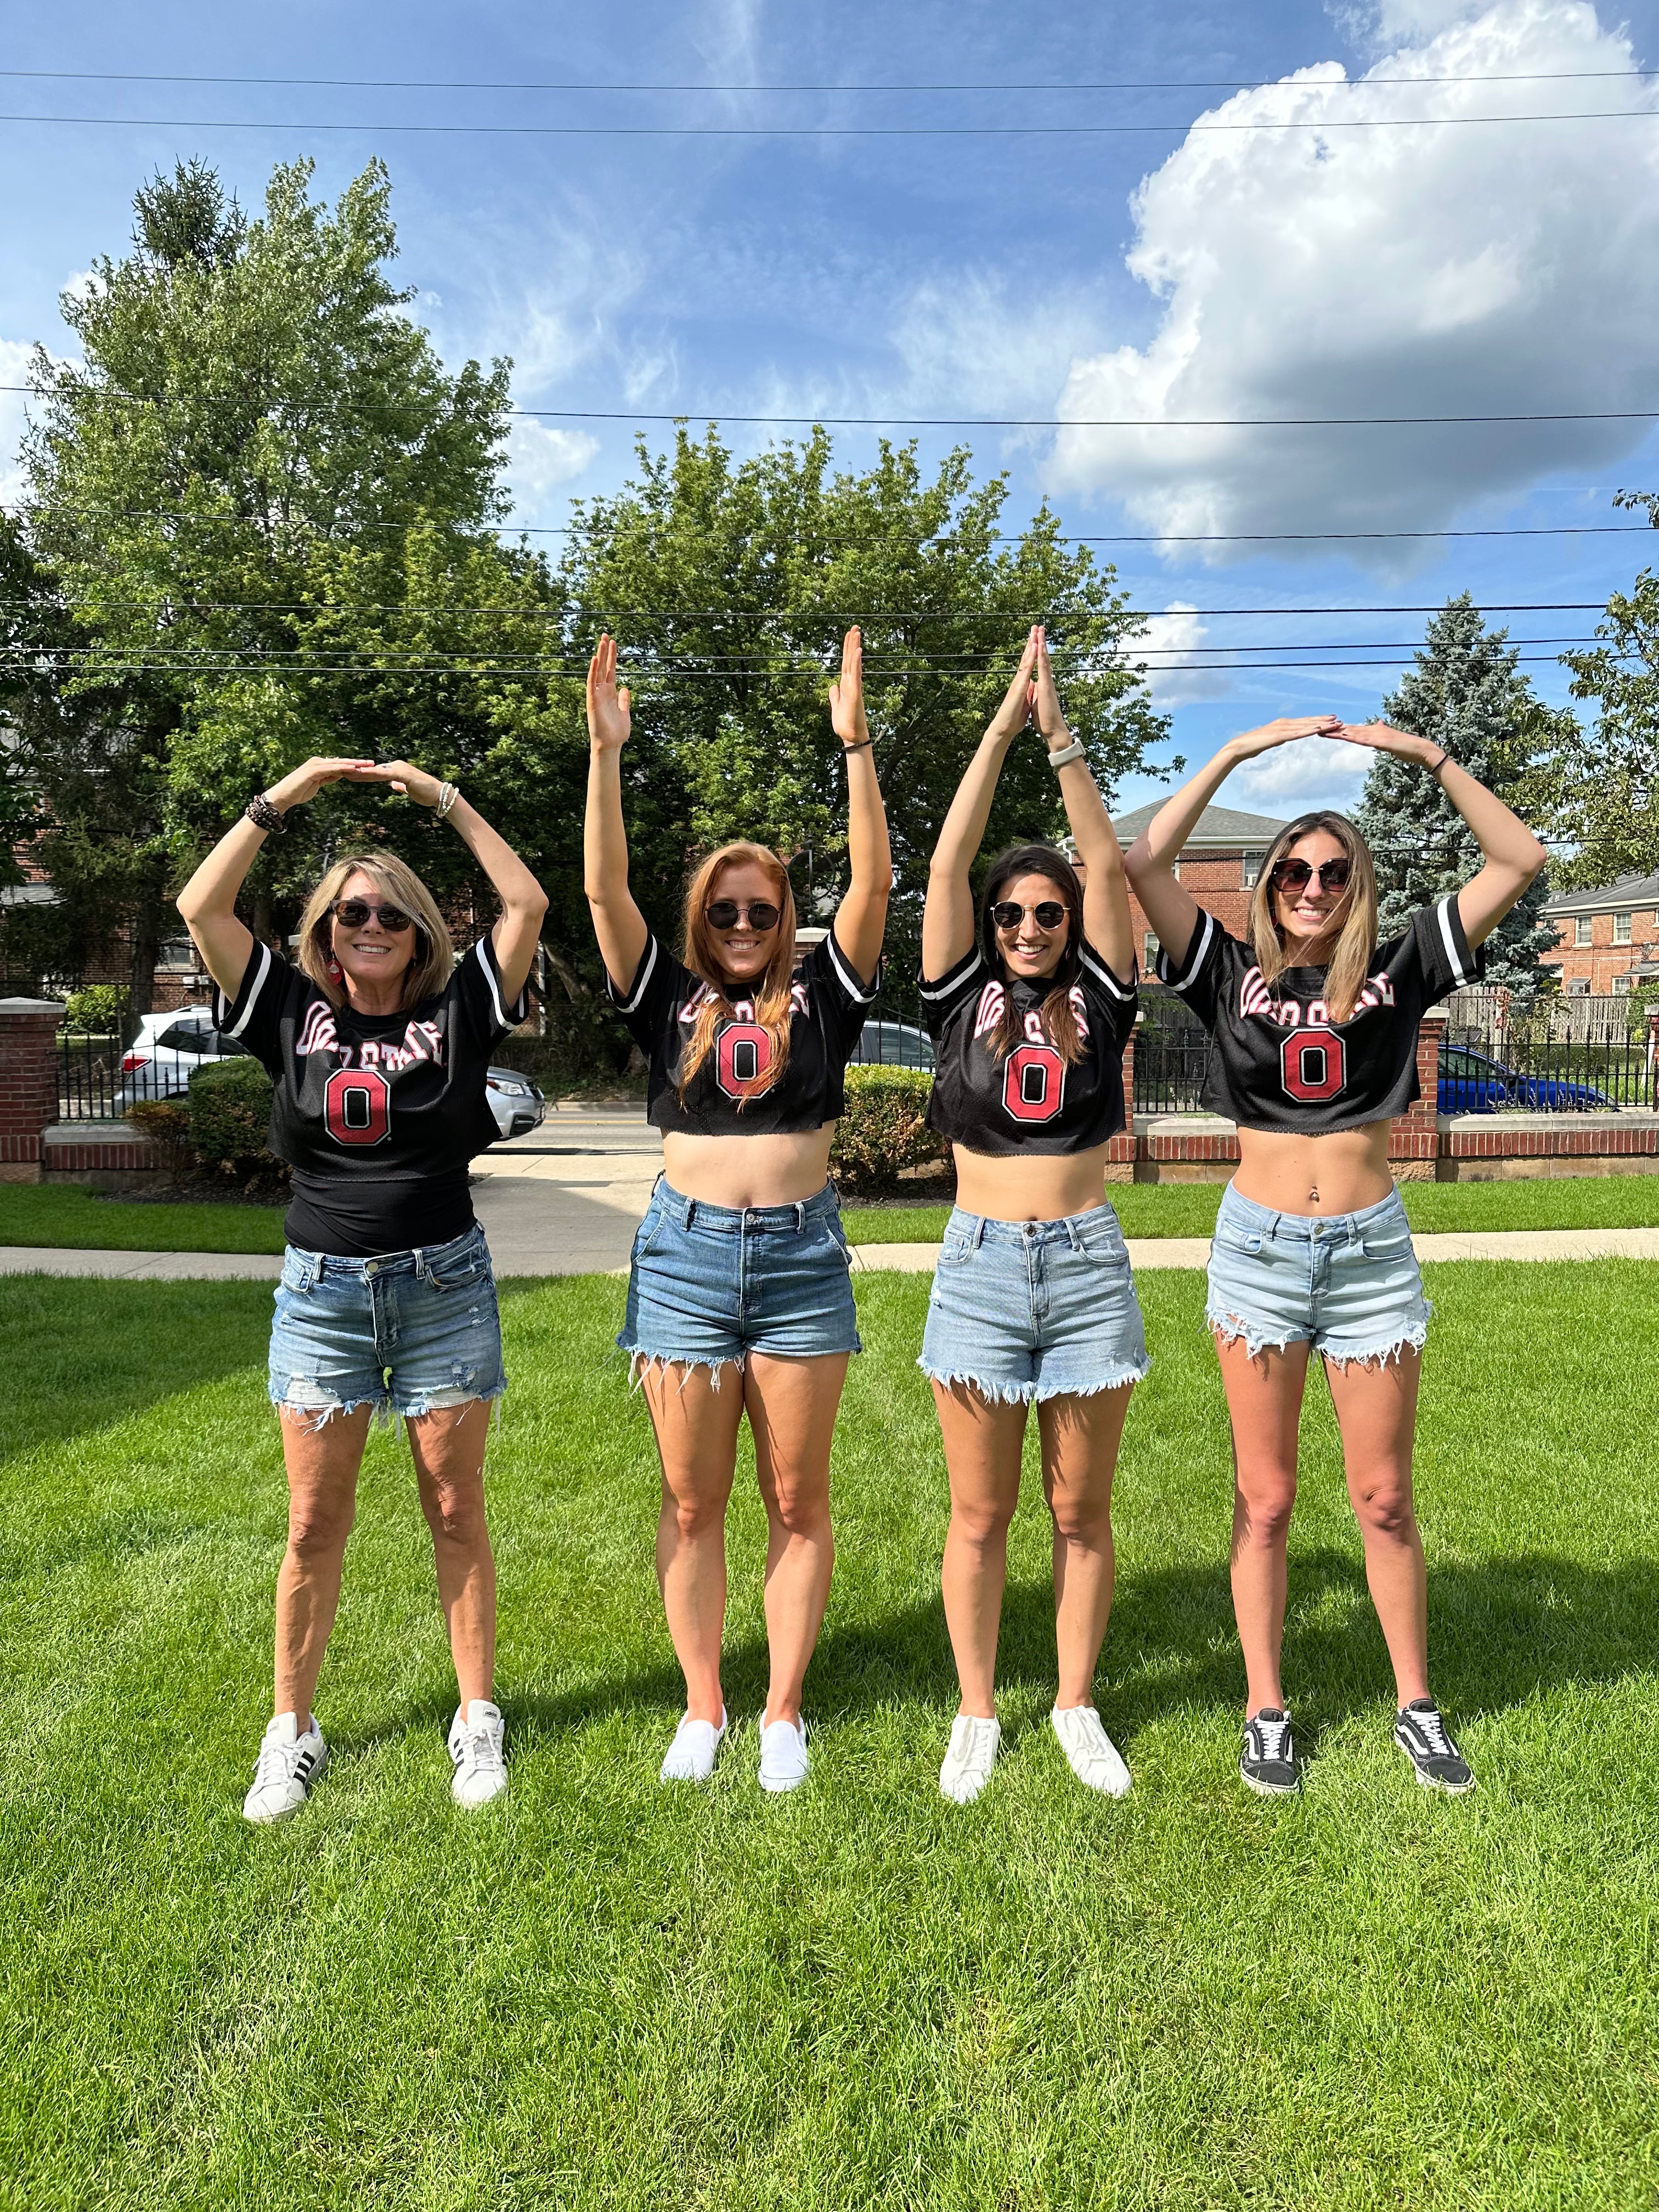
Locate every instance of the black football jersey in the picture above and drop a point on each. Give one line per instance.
(1029, 1101)
(827, 1011)
(1278, 1061)
(377, 1115)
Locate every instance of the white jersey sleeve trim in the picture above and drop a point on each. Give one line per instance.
(1103, 975)
(953, 978)
(261, 976)
(494, 989)
(1449, 934)
(864, 993)
(1195, 960)
(627, 1005)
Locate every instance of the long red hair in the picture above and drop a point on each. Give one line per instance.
(771, 991)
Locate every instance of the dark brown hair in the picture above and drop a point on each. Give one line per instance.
(1059, 1021)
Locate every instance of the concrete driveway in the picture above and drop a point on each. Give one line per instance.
(566, 1198)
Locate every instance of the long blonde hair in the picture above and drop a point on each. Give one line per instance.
(771, 991)
(1351, 957)
(432, 961)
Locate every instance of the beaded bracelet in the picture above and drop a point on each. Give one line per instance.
(264, 815)
(447, 794)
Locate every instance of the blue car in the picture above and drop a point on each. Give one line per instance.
(1470, 1082)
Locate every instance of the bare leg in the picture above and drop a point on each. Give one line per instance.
(982, 1444)
(448, 1446)
(322, 1459)
(1377, 1412)
(696, 1430)
(1080, 1440)
(791, 1417)
(1264, 1398)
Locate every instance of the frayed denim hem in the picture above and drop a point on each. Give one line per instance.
(1414, 1335)
(1036, 1393)
(314, 1419)
(641, 1364)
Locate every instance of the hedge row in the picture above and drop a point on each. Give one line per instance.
(884, 1129)
(220, 1123)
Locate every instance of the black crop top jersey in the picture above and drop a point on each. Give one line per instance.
(1031, 1101)
(1277, 1060)
(377, 1114)
(828, 1010)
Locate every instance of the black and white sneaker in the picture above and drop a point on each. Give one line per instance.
(288, 1764)
(1268, 1763)
(1426, 1741)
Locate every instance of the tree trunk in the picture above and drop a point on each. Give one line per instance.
(145, 939)
(574, 988)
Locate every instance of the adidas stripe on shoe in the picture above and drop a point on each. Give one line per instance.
(288, 1764)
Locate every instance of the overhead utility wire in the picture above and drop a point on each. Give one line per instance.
(647, 676)
(277, 656)
(797, 616)
(1115, 84)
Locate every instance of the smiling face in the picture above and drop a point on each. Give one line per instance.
(369, 956)
(1313, 913)
(744, 952)
(1029, 951)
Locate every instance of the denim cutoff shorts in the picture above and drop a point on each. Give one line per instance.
(406, 1333)
(1347, 1282)
(710, 1284)
(1033, 1309)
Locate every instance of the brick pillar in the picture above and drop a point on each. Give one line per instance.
(1120, 1153)
(1414, 1140)
(28, 1083)
(1129, 1078)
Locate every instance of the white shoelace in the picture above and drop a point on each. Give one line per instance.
(1273, 1735)
(1435, 1729)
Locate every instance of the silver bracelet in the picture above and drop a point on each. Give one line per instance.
(447, 794)
(1076, 751)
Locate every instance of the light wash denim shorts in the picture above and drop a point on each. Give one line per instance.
(1025, 1310)
(406, 1333)
(1347, 1282)
(708, 1285)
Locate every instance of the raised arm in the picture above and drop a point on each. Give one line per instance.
(617, 922)
(1106, 888)
(947, 919)
(207, 901)
(1513, 855)
(519, 925)
(861, 917)
(1150, 861)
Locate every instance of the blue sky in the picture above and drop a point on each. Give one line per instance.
(1210, 271)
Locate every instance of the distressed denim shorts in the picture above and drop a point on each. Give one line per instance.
(1026, 1311)
(406, 1333)
(1347, 1284)
(710, 1284)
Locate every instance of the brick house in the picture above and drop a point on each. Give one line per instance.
(1606, 940)
(1218, 865)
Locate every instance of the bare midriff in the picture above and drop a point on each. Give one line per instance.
(1030, 1186)
(1343, 1171)
(780, 1168)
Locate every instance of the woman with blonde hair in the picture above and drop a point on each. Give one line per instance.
(1314, 1027)
(378, 1042)
(738, 1298)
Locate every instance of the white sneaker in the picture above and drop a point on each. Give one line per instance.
(783, 1761)
(974, 1746)
(475, 1745)
(288, 1764)
(690, 1756)
(1094, 1756)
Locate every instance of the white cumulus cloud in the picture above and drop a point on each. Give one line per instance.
(540, 458)
(1313, 772)
(1169, 640)
(15, 355)
(1481, 269)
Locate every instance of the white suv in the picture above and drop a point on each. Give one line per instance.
(167, 1052)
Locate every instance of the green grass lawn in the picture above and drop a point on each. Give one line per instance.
(1188, 1209)
(602, 1994)
(65, 1215)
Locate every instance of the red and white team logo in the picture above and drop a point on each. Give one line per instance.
(357, 1106)
(743, 1058)
(1313, 1065)
(1033, 1083)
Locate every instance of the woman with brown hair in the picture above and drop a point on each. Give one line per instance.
(378, 1043)
(1315, 1027)
(738, 1299)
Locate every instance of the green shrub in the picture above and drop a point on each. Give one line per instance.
(166, 1123)
(101, 1007)
(229, 1113)
(884, 1129)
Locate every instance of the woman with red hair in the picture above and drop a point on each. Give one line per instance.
(738, 1299)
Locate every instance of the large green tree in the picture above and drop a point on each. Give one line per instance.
(1466, 692)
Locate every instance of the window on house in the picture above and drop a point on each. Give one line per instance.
(1578, 987)
(1621, 928)
(1252, 862)
(1581, 929)
(1624, 983)
(1149, 955)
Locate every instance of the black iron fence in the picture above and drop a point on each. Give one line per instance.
(101, 1076)
(1542, 1071)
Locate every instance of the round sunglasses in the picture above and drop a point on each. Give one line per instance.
(1295, 875)
(352, 914)
(761, 914)
(1008, 913)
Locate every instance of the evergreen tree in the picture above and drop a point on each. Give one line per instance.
(1466, 692)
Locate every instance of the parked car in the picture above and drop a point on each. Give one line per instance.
(514, 1101)
(167, 1052)
(893, 1044)
(1472, 1083)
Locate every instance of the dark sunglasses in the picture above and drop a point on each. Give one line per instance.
(722, 914)
(1294, 875)
(352, 914)
(1008, 913)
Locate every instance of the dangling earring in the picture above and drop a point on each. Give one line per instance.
(335, 971)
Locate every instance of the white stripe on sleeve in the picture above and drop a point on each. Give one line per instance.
(627, 1005)
(259, 980)
(494, 990)
(1459, 973)
(1103, 973)
(1195, 958)
(843, 968)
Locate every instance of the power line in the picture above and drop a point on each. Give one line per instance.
(842, 616)
(1153, 84)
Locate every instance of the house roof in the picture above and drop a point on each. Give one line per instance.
(1219, 829)
(1629, 891)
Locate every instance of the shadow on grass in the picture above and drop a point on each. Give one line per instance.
(1500, 1632)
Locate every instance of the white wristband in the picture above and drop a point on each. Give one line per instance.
(1076, 751)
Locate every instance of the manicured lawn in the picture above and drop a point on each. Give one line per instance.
(65, 1215)
(602, 1994)
(1188, 1209)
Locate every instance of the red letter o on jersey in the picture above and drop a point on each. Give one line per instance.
(357, 1106)
(1034, 1083)
(741, 1057)
(1313, 1065)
